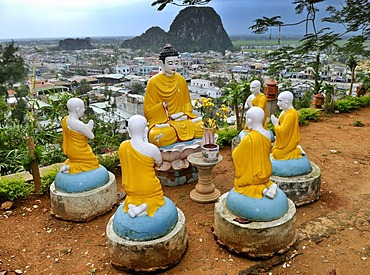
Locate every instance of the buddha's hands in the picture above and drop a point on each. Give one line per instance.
(274, 120)
(197, 119)
(163, 125)
(90, 124)
(177, 115)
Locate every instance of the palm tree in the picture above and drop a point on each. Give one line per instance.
(265, 23)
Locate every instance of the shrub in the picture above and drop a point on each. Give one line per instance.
(13, 188)
(47, 179)
(109, 161)
(226, 135)
(308, 114)
(349, 104)
(358, 123)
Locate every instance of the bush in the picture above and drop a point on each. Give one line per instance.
(14, 188)
(47, 179)
(109, 161)
(349, 104)
(308, 114)
(226, 135)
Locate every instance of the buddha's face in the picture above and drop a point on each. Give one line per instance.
(170, 65)
(255, 87)
(81, 111)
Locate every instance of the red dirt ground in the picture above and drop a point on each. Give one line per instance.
(334, 232)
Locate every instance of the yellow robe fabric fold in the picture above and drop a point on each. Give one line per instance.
(252, 165)
(288, 136)
(173, 90)
(80, 155)
(139, 180)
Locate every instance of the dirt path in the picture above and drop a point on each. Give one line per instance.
(334, 232)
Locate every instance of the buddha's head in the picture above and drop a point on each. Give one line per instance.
(255, 116)
(285, 100)
(137, 126)
(255, 87)
(169, 57)
(76, 105)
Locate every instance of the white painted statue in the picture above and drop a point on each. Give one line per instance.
(75, 135)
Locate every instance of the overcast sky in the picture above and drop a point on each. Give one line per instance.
(90, 18)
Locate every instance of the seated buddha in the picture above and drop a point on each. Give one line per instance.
(167, 104)
(287, 156)
(255, 196)
(146, 213)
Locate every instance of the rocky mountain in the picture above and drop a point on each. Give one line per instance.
(154, 38)
(70, 44)
(193, 29)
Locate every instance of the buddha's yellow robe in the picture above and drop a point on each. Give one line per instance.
(252, 165)
(288, 137)
(139, 180)
(80, 155)
(173, 90)
(260, 101)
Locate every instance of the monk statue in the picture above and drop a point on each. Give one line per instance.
(288, 157)
(146, 213)
(167, 104)
(252, 159)
(286, 130)
(81, 171)
(256, 99)
(137, 157)
(253, 190)
(75, 134)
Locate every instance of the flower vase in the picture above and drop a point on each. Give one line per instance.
(210, 150)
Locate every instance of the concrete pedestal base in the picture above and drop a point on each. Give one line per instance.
(205, 191)
(148, 256)
(255, 239)
(302, 189)
(84, 206)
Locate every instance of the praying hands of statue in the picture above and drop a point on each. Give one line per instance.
(90, 124)
(274, 120)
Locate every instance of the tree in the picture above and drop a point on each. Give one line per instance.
(138, 88)
(355, 16)
(12, 66)
(311, 46)
(235, 95)
(163, 3)
(264, 24)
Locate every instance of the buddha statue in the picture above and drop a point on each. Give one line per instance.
(167, 104)
(255, 99)
(255, 196)
(146, 213)
(81, 171)
(288, 157)
(75, 134)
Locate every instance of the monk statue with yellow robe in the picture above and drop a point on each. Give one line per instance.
(81, 171)
(256, 99)
(145, 214)
(288, 157)
(167, 104)
(255, 196)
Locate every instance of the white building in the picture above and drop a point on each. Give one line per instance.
(204, 87)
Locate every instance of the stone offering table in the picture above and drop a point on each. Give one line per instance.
(204, 191)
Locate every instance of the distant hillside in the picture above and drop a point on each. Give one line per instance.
(70, 44)
(154, 38)
(194, 29)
